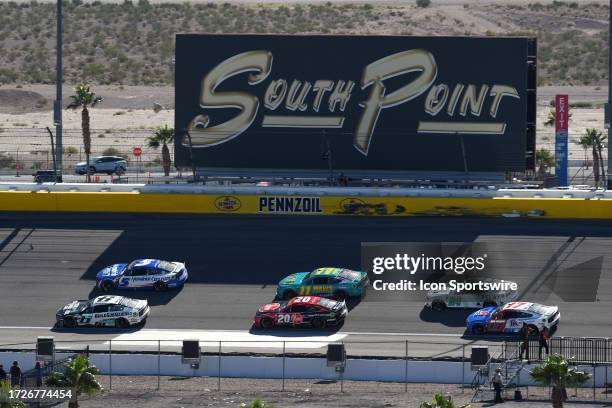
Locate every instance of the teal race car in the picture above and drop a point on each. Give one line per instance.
(328, 282)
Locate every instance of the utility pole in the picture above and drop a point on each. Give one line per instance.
(609, 180)
(57, 106)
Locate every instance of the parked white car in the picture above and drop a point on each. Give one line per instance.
(103, 164)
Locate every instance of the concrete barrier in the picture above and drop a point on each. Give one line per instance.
(435, 372)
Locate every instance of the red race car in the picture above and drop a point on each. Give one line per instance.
(312, 311)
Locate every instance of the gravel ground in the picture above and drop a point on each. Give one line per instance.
(202, 392)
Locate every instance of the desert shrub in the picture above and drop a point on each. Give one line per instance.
(111, 151)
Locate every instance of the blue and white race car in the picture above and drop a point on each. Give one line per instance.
(509, 318)
(142, 274)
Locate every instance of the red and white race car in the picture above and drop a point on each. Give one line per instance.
(509, 318)
(312, 311)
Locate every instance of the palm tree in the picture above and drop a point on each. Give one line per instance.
(584, 142)
(163, 136)
(555, 372)
(440, 401)
(552, 117)
(596, 140)
(545, 160)
(5, 400)
(600, 141)
(85, 98)
(80, 376)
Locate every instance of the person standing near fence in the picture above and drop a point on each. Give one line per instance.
(15, 372)
(497, 385)
(39, 374)
(2, 374)
(543, 341)
(524, 338)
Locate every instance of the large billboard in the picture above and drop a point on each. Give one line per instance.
(375, 102)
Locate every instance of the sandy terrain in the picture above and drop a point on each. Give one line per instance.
(202, 392)
(126, 117)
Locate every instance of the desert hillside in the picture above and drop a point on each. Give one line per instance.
(132, 43)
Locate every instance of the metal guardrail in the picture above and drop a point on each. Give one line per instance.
(591, 194)
(456, 351)
(28, 379)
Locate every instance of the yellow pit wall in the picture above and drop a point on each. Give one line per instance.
(304, 205)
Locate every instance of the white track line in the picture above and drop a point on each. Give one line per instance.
(245, 331)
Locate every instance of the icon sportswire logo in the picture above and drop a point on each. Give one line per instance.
(322, 103)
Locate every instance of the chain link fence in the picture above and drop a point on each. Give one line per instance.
(217, 370)
(23, 151)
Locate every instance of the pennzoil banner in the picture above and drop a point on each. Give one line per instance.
(370, 206)
(376, 102)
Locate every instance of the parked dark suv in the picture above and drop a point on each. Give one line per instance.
(46, 176)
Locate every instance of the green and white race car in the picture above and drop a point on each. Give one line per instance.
(339, 283)
(470, 299)
(113, 311)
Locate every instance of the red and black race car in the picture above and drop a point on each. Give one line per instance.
(314, 311)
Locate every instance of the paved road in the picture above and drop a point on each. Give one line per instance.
(235, 261)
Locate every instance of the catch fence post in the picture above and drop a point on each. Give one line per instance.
(406, 369)
(594, 379)
(463, 368)
(158, 365)
(219, 370)
(606, 381)
(283, 388)
(110, 364)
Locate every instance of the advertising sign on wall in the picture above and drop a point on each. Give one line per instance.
(376, 102)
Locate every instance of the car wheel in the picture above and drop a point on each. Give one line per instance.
(160, 286)
(438, 306)
(107, 286)
(478, 329)
(267, 323)
(341, 295)
(70, 322)
(319, 323)
(119, 170)
(92, 170)
(289, 294)
(533, 330)
(121, 323)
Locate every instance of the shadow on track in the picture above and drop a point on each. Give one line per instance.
(97, 330)
(501, 337)
(449, 317)
(299, 331)
(154, 298)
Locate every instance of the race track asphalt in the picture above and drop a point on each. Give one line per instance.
(47, 260)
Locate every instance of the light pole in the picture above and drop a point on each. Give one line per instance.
(57, 106)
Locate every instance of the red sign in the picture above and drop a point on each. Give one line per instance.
(561, 111)
(137, 151)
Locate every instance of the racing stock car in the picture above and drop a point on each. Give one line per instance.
(315, 311)
(335, 282)
(509, 318)
(116, 311)
(142, 274)
(476, 298)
